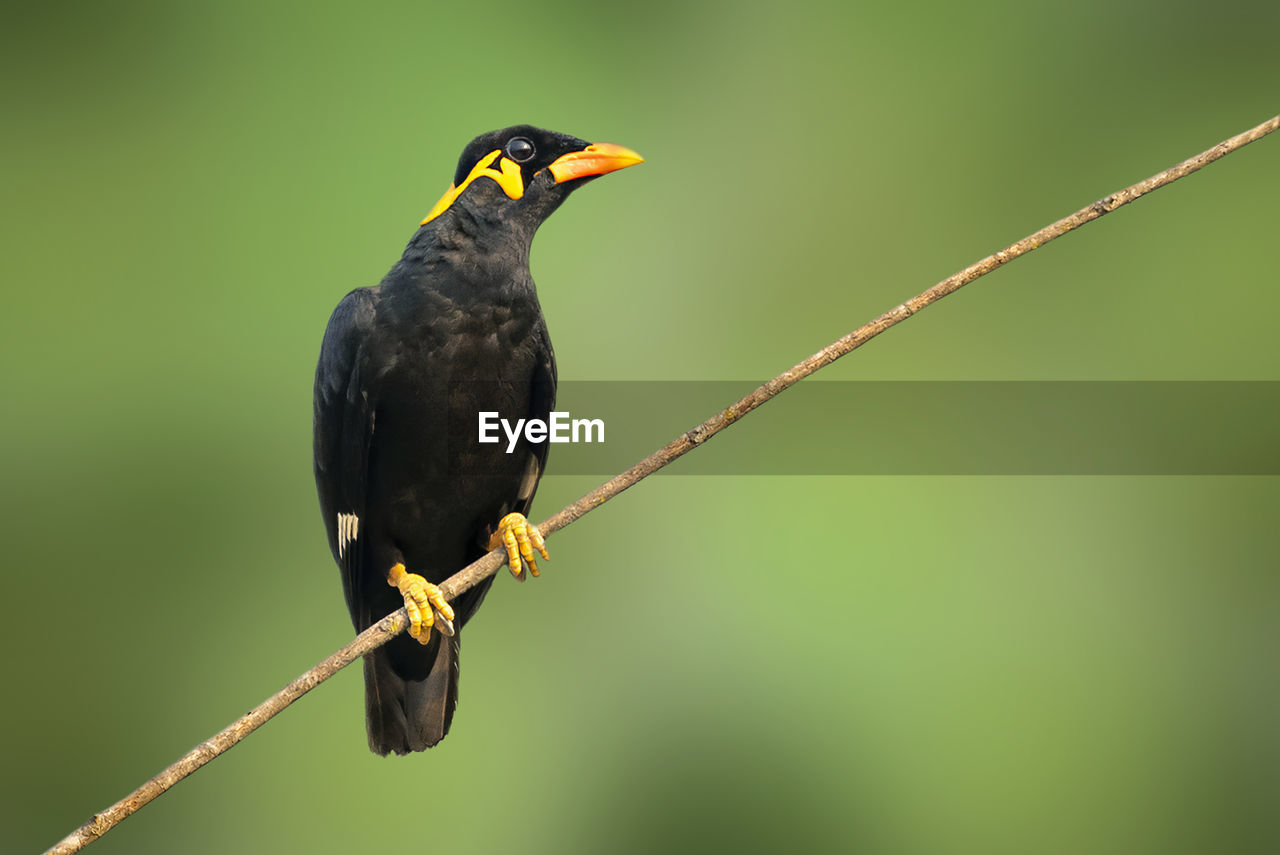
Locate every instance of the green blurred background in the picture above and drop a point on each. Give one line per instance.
(918, 665)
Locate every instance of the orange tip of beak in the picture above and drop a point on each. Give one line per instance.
(595, 159)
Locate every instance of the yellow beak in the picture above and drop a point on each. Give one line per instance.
(595, 159)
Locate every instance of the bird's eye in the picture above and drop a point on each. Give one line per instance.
(520, 149)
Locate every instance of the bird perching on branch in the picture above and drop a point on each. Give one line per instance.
(408, 493)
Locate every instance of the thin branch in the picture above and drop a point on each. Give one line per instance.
(393, 624)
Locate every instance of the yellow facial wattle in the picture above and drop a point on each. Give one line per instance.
(507, 175)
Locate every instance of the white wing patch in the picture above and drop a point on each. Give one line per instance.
(529, 482)
(348, 528)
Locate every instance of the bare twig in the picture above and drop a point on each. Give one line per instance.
(393, 624)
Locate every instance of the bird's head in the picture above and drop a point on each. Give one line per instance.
(534, 169)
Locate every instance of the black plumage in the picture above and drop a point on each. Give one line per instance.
(454, 329)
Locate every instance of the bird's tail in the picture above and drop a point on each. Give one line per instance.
(410, 708)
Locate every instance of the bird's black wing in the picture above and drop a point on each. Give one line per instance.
(343, 430)
(542, 402)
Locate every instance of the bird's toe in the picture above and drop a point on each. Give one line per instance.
(521, 538)
(423, 602)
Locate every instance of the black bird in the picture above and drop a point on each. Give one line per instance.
(409, 495)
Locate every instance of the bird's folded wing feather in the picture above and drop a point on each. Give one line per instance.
(343, 427)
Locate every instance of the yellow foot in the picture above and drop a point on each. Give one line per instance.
(424, 602)
(520, 537)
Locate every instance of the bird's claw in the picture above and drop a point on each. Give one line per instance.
(423, 602)
(521, 538)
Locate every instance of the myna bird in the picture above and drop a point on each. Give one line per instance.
(409, 494)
